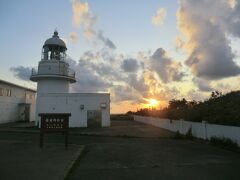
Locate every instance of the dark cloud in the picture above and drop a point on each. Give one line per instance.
(21, 72)
(87, 78)
(138, 84)
(130, 65)
(125, 93)
(210, 55)
(203, 85)
(166, 68)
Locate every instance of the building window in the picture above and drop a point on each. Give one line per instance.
(9, 92)
(1, 91)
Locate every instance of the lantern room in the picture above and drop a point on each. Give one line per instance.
(54, 48)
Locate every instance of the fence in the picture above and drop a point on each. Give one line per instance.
(200, 130)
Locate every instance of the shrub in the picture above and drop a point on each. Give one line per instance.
(189, 134)
(177, 135)
(224, 142)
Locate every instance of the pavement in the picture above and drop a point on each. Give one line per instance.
(25, 160)
(128, 128)
(126, 150)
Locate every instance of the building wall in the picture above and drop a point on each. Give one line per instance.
(9, 103)
(201, 130)
(30, 98)
(71, 103)
(52, 86)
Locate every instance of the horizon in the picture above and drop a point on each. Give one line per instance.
(144, 53)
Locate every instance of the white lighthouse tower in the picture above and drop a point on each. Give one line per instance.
(53, 77)
(53, 74)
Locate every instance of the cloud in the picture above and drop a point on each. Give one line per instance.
(80, 12)
(197, 95)
(87, 78)
(138, 83)
(21, 72)
(159, 17)
(106, 40)
(125, 93)
(204, 37)
(203, 85)
(232, 3)
(167, 69)
(130, 65)
(73, 37)
(84, 18)
(127, 79)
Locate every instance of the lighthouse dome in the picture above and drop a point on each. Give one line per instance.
(55, 41)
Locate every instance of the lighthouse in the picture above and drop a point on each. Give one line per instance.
(54, 77)
(53, 74)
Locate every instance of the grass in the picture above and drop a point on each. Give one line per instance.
(224, 143)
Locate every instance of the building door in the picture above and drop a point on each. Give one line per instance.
(24, 112)
(27, 112)
(94, 118)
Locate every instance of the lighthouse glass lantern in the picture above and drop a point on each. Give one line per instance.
(54, 48)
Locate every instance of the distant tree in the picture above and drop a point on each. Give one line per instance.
(129, 113)
(218, 109)
(215, 94)
(177, 104)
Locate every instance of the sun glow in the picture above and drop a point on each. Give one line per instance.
(153, 102)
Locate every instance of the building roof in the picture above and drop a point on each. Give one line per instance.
(16, 85)
(55, 40)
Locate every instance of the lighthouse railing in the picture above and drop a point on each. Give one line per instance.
(59, 71)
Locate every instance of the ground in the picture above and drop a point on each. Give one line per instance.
(126, 150)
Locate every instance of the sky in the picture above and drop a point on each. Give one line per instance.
(136, 50)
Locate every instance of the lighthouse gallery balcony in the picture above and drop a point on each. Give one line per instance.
(46, 70)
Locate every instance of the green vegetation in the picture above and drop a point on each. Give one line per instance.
(121, 117)
(177, 135)
(224, 143)
(218, 109)
(188, 135)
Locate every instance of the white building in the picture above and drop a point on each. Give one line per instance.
(17, 103)
(54, 77)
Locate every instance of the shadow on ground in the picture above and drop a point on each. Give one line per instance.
(130, 150)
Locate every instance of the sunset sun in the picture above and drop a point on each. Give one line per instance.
(153, 102)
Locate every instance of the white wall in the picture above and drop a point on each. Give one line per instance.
(71, 102)
(54, 85)
(30, 98)
(201, 130)
(53, 67)
(9, 105)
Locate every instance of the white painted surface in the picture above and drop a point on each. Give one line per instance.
(9, 105)
(51, 85)
(53, 78)
(201, 130)
(71, 102)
